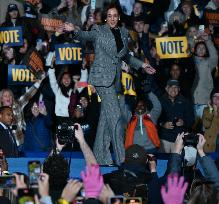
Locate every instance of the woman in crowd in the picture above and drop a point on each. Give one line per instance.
(211, 122)
(7, 99)
(62, 89)
(206, 59)
(111, 47)
(38, 128)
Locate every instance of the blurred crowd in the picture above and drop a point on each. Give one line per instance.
(173, 109)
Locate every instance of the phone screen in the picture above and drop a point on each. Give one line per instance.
(25, 196)
(7, 181)
(34, 168)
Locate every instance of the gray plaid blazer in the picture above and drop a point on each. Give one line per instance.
(107, 63)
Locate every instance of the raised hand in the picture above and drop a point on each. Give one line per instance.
(175, 190)
(93, 181)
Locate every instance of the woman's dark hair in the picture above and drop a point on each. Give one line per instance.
(202, 192)
(63, 88)
(57, 168)
(107, 8)
(214, 91)
(206, 48)
(8, 18)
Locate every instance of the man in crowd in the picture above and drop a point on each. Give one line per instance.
(7, 140)
(177, 115)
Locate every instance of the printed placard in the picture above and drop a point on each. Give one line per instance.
(128, 84)
(11, 36)
(147, 1)
(212, 17)
(50, 23)
(34, 61)
(172, 47)
(68, 53)
(20, 75)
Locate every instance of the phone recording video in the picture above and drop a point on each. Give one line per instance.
(34, 168)
(26, 196)
(8, 181)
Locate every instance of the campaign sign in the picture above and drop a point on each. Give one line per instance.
(172, 47)
(50, 23)
(20, 75)
(35, 63)
(68, 53)
(147, 1)
(212, 17)
(128, 84)
(11, 36)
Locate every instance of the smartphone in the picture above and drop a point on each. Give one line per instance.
(8, 181)
(34, 168)
(117, 200)
(26, 196)
(201, 28)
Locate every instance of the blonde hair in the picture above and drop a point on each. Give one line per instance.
(2, 92)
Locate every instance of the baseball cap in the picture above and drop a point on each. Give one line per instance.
(136, 154)
(12, 7)
(172, 82)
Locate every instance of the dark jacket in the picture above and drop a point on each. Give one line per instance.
(8, 142)
(179, 109)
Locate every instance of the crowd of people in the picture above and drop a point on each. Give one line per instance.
(168, 103)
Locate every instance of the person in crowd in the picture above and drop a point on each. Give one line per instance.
(191, 35)
(177, 115)
(212, 4)
(110, 42)
(210, 120)
(8, 142)
(57, 167)
(7, 99)
(62, 90)
(12, 17)
(137, 172)
(176, 73)
(206, 59)
(188, 11)
(142, 44)
(68, 9)
(141, 129)
(38, 128)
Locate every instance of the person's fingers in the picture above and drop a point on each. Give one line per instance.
(181, 182)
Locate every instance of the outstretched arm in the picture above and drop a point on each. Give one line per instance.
(87, 152)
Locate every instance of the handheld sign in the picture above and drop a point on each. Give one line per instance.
(20, 75)
(51, 23)
(11, 36)
(212, 17)
(128, 84)
(68, 53)
(147, 1)
(33, 2)
(34, 62)
(172, 47)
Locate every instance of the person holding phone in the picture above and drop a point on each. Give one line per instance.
(211, 122)
(206, 59)
(38, 135)
(111, 47)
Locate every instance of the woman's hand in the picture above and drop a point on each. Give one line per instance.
(148, 68)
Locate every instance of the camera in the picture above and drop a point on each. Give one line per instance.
(66, 133)
(191, 140)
